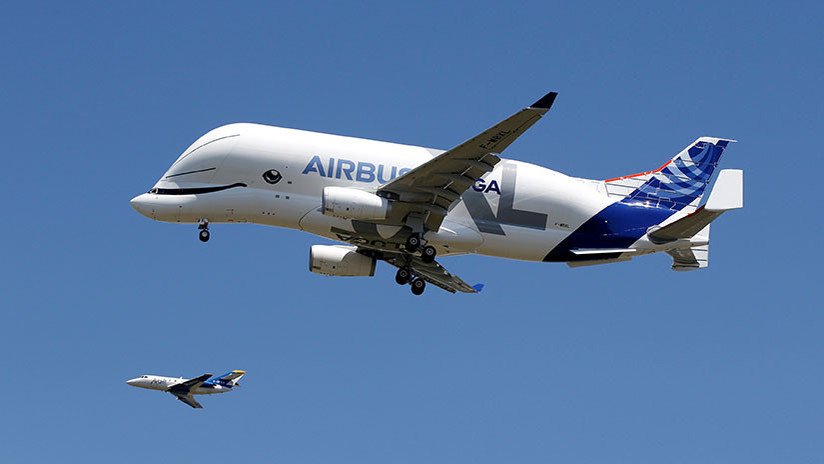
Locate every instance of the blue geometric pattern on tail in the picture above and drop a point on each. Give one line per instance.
(682, 180)
(667, 191)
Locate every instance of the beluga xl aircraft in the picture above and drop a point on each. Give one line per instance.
(185, 389)
(405, 204)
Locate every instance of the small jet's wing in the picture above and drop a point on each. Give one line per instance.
(432, 272)
(189, 385)
(433, 186)
(188, 399)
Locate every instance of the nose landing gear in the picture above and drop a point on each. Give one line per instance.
(203, 228)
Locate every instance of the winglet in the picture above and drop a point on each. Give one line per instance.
(478, 287)
(545, 103)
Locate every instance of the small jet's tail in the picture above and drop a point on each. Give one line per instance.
(230, 378)
(679, 183)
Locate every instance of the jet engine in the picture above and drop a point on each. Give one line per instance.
(340, 260)
(349, 203)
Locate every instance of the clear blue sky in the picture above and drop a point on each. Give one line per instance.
(623, 363)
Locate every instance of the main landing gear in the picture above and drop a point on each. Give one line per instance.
(203, 230)
(403, 276)
(416, 284)
(414, 245)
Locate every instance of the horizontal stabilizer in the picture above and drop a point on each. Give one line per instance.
(689, 259)
(230, 378)
(686, 227)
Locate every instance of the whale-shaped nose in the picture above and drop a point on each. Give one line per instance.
(140, 204)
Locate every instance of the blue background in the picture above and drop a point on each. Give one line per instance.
(621, 363)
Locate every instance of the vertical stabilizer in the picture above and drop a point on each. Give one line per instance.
(677, 185)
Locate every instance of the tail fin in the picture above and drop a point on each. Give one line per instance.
(230, 378)
(678, 184)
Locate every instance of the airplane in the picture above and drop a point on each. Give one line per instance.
(185, 389)
(406, 205)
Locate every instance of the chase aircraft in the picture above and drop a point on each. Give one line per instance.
(184, 389)
(405, 205)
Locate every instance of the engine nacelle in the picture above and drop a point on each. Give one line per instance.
(349, 203)
(340, 260)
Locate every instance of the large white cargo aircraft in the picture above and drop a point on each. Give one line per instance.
(405, 204)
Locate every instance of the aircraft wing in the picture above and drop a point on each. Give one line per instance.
(189, 385)
(432, 187)
(188, 399)
(432, 272)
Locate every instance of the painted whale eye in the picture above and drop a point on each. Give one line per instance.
(272, 176)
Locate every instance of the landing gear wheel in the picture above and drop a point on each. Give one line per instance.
(428, 254)
(403, 276)
(203, 235)
(413, 242)
(418, 286)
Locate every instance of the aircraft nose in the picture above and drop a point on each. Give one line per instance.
(132, 382)
(140, 203)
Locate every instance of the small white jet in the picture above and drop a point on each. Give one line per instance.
(405, 204)
(185, 389)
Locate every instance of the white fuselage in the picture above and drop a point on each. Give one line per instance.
(519, 210)
(161, 383)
